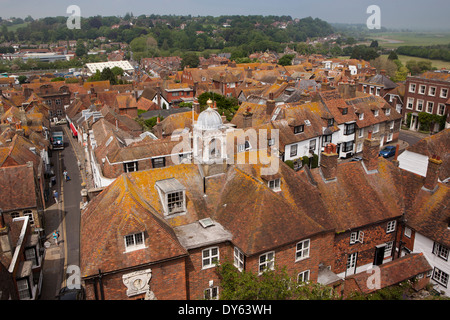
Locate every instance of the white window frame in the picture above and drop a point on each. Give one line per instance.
(356, 236)
(268, 263)
(134, 245)
(361, 133)
(441, 105)
(131, 166)
(408, 232)
(239, 259)
(391, 226)
(376, 113)
(422, 89)
(212, 293)
(389, 137)
(412, 87)
(275, 184)
(291, 148)
(388, 249)
(30, 215)
(376, 128)
(377, 91)
(361, 116)
(419, 105)
(391, 124)
(441, 251)
(359, 147)
(177, 208)
(303, 277)
(440, 277)
(302, 249)
(432, 107)
(430, 93)
(387, 112)
(442, 95)
(209, 261)
(410, 103)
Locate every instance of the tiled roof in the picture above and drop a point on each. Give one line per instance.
(393, 272)
(103, 229)
(18, 189)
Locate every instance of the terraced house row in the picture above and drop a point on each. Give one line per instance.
(159, 233)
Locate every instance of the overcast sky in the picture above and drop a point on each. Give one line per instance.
(412, 14)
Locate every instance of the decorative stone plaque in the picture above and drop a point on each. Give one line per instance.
(137, 282)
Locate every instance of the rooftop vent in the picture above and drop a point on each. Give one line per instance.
(207, 222)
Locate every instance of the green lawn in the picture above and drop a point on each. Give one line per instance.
(439, 64)
(17, 26)
(396, 39)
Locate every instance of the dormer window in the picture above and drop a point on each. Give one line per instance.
(361, 116)
(299, 129)
(172, 196)
(134, 241)
(344, 111)
(376, 112)
(330, 122)
(275, 184)
(388, 112)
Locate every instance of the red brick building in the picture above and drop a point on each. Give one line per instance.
(159, 233)
(430, 93)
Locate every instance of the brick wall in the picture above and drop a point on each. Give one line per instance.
(373, 235)
(168, 282)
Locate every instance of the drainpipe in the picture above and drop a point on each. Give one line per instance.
(100, 276)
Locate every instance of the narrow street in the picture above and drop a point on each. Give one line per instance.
(64, 217)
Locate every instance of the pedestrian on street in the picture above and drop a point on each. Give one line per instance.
(56, 236)
(55, 195)
(66, 175)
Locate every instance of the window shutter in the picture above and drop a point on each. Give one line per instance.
(361, 237)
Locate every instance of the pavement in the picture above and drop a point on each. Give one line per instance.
(55, 259)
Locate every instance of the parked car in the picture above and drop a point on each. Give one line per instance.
(71, 294)
(388, 151)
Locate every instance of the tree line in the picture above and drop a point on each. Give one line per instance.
(435, 52)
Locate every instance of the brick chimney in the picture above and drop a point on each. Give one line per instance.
(395, 161)
(329, 161)
(371, 149)
(270, 104)
(247, 118)
(431, 179)
(158, 128)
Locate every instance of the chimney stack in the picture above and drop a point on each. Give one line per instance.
(371, 149)
(431, 179)
(383, 72)
(395, 161)
(270, 104)
(247, 118)
(158, 130)
(329, 161)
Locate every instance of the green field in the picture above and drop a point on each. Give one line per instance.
(396, 39)
(17, 26)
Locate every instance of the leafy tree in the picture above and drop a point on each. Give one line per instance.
(286, 60)
(270, 285)
(190, 59)
(393, 55)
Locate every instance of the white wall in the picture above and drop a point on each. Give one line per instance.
(425, 245)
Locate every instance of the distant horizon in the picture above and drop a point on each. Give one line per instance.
(414, 15)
